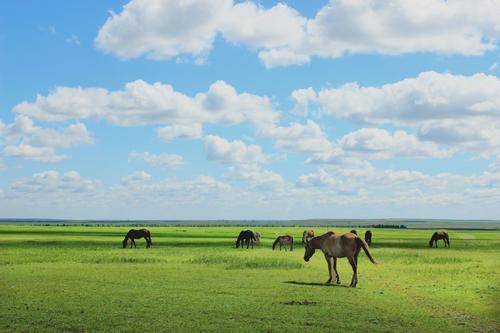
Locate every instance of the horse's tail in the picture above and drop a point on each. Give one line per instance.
(363, 244)
(276, 242)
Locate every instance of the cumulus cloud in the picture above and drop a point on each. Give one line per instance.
(160, 30)
(297, 137)
(142, 103)
(376, 143)
(244, 161)
(188, 131)
(233, 152)
(136, 177)
(455, 110)
(163, 160)
(24, 139)
(49, 182)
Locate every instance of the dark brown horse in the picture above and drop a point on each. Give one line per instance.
(439, 235)
(368, 237)
(136, 234)
(245, 237)
(284, 241)
(338, 246)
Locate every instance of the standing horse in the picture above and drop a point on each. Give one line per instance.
(285, 241)
(439, 235)
(338, 246)
(307, 235)
(368, 237)
(245, 236)
(136, 234)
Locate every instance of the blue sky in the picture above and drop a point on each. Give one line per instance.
(222, 109)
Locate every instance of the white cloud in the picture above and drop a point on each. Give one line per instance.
(72, 39)
(41, 154)
(24, 139)
(190, 131)
(244, 161)
(297, 137)
(49, 182)
(233, 152)
(461, 111)
(142, 103)
(160, 30)
(136, 177)
(493, 67)
(163, 160)
(376, 143)
(319, 179)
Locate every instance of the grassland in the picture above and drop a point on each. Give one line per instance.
(79, 279)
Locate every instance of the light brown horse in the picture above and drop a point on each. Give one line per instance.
(307, 235)
(439, 235)
(338, 246)
(285, 241)
(136, 234)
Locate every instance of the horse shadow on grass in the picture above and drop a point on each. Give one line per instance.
(315, 284)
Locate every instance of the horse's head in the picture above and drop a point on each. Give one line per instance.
(431, 242)
(309, 250)
(238, 243)
(124, 242)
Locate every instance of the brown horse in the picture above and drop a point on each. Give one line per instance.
(285, 241)
(368, 237)
(338, 246)
(245, 237)
(136, 234)
(307, 235)
(439, 235)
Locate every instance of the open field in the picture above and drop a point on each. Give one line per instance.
(79, 279)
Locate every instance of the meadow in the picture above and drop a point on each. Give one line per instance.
(79, 279)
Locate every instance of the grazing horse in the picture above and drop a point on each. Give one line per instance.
(257, 237)
(353, 231)
(245, 237)
(307, 235)
(368, 237)
(439, 235)
(285, 241)
(338, 246)
(136, 234)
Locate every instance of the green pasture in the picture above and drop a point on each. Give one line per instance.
(79, 279)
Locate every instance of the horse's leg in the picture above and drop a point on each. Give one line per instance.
(354, 280)
(147, 242)
(248, 243)
(337, 276)
(329, 263)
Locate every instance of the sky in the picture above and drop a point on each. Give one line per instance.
(221, 109)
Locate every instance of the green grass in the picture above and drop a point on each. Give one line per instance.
(79, 279)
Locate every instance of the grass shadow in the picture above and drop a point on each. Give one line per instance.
(316, 284)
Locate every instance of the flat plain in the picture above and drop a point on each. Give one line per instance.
(80, 279)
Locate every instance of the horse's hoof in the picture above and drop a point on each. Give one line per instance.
(338, 282)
